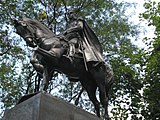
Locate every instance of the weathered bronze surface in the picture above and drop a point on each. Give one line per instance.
(77, 53)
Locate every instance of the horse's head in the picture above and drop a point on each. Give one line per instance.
(25, 32)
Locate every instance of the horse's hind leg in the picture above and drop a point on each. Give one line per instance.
(91, 87)
(99, 75)
(104, 101)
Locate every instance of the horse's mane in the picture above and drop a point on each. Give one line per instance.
(33, 24)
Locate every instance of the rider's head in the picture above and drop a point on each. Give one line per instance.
(71, 16)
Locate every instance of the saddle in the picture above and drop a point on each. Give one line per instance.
(78, 54)
(65, 43)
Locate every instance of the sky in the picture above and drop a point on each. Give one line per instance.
(146, 31)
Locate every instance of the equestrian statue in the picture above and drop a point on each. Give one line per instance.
(76, 52)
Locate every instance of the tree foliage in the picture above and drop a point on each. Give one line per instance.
(151, 81)
(111, 24)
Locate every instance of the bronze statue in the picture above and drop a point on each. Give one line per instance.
(50, 53)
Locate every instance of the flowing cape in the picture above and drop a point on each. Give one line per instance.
(93, 49)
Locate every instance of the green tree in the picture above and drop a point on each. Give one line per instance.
(151, 83)
(108, 20)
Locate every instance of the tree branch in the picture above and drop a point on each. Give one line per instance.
(65, 6)
(79, 95)
(54, 16)
(42, 3)
(1, 54)
(29, 82)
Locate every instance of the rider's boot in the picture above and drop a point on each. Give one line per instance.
(71, 53)
(71, 50)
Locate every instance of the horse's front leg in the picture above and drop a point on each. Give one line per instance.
(34, 61)
(47, 76)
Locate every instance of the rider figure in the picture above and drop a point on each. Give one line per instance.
(72, 33)
(81, 36)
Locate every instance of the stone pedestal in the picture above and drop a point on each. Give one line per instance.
(46, 107)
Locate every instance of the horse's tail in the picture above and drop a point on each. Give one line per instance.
(104, 97)
(109, 78)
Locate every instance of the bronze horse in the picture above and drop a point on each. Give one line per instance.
(49, 55)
